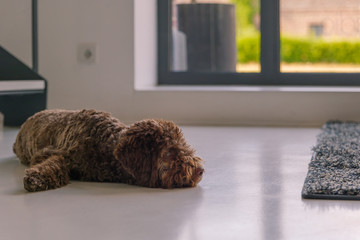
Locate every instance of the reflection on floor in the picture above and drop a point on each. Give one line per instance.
(251, 190)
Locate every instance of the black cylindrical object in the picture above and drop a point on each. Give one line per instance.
(210, 36)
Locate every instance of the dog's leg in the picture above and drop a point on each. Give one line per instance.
(49, 169)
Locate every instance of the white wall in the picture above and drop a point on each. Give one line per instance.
(109, 84)
(72, 85)
(15, 28)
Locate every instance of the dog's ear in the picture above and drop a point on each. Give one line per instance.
(138, 151)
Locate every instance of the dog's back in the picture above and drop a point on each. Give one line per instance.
(73, 132)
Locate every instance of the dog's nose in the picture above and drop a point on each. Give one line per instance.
(199, 171)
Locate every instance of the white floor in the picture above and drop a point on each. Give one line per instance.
(251, 190)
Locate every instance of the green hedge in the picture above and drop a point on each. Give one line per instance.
(248, 49)
(302, 50)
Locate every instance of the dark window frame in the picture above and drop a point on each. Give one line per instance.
(270, 74)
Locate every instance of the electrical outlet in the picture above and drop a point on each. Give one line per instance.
(87, 53)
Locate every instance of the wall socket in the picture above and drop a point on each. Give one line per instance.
(87, 53)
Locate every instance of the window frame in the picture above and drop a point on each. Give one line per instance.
(270, 74)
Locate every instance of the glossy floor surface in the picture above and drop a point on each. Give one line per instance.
(251, 190)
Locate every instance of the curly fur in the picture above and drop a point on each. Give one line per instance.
(89, 145)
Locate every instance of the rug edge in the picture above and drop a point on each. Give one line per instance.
(330, 197)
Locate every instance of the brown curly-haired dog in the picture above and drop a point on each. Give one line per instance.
(93, 146)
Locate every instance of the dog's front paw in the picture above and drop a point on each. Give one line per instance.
(33, 181)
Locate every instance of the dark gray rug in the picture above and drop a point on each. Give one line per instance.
(334, 170)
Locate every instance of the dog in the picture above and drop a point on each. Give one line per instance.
(90, 145)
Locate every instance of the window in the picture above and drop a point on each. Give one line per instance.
(259, 42)
(316, 30)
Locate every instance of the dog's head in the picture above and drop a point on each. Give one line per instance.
(156, 154)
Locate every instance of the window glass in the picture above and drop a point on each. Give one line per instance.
(320, 35)
(215, 36)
